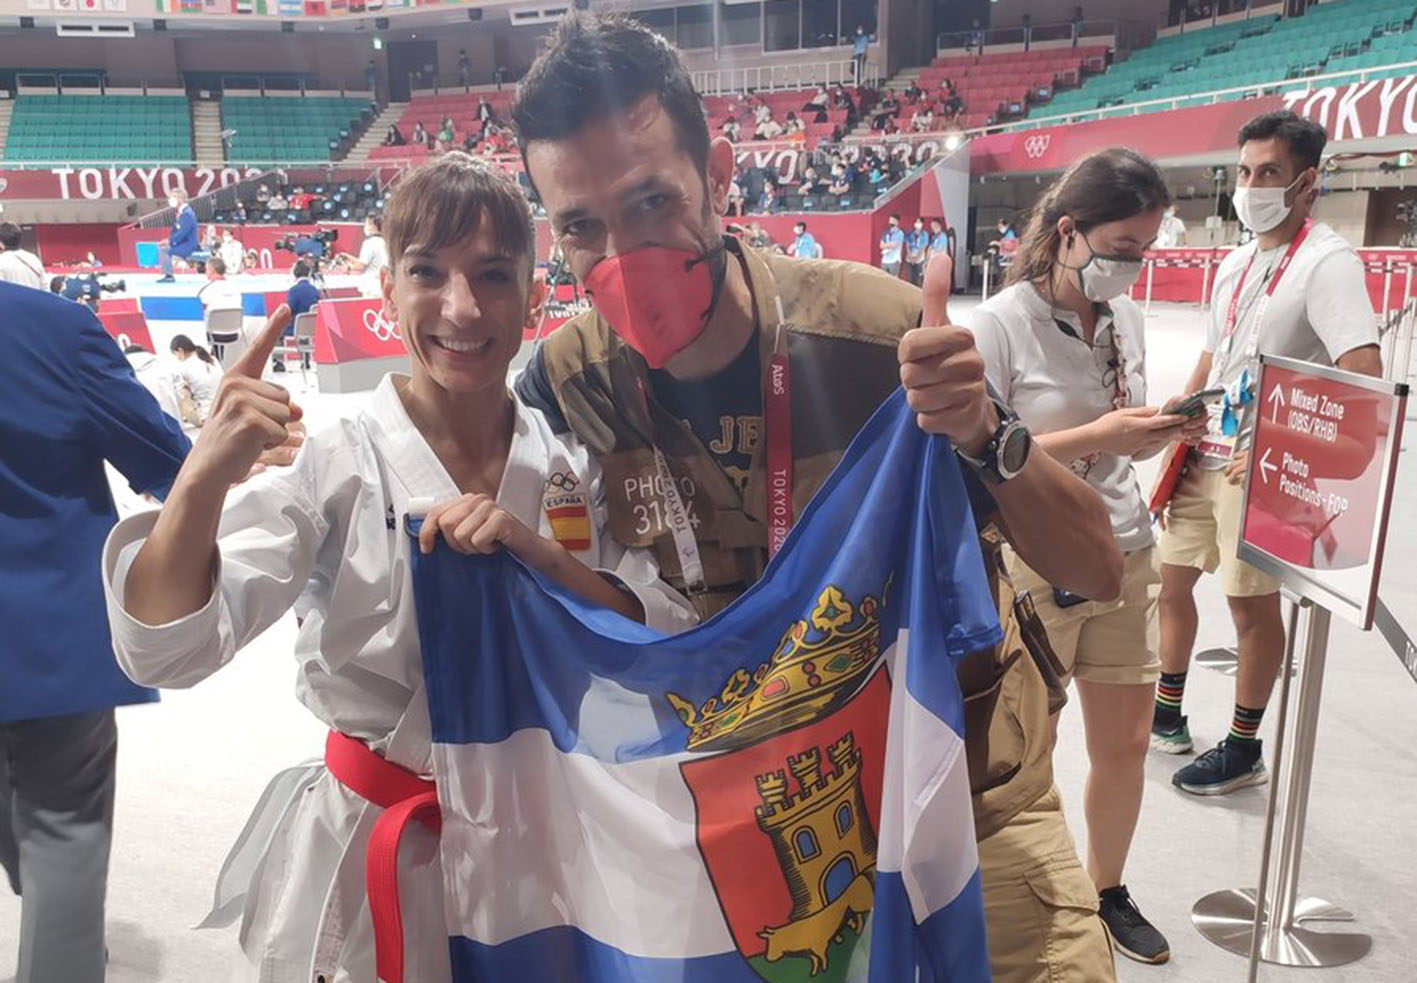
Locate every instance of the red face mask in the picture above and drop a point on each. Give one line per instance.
(657, 299)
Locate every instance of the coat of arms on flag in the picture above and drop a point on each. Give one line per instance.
(780, 794)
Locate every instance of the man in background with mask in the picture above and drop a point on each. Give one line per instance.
(1297, 289)
(182, 240)
(666, 382)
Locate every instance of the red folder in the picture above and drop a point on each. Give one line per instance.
(1170, 478)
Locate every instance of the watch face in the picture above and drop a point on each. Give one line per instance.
(1013, 451)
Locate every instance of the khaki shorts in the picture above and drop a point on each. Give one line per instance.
(1102, 641)
(1203, 532)
(1040, 907)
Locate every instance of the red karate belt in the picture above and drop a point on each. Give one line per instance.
(405, 798)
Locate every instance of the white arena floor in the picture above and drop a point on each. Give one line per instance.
(191, 767)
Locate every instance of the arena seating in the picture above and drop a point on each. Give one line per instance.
(287, 129)
(132, 129)
(781, 102)
(1342, 34)
(993, 84)
(430, 111)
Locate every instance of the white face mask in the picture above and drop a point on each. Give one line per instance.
(1105, 278)
(1262, 209)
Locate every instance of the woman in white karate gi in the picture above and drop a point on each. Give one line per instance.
(188, 586)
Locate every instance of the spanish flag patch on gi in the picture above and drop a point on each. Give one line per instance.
(567, 510)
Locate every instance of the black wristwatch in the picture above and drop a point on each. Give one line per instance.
(1006, 452)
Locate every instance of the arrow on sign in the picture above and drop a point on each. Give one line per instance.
(1276, 400)
(1265, 466)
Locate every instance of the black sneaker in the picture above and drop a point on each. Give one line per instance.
(1134, 936)
(1224, 768)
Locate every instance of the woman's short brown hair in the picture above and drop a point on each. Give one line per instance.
(445, 200)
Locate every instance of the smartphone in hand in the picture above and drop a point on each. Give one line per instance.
(1194, 404)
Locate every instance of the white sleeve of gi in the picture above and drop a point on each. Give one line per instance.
(270, 535)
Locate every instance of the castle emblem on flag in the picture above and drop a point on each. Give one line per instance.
(797, 789)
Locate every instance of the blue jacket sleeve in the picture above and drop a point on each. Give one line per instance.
(184, 234)
(122, 418)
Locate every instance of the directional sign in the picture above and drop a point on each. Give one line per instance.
(1319, 483)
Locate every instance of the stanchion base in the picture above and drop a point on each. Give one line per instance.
(1227, 918)
(1224, 660)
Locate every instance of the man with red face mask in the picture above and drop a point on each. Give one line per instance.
(705, 365)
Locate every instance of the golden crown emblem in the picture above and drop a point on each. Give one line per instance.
(818, 665)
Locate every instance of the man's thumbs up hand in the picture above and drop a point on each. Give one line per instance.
(942, 370)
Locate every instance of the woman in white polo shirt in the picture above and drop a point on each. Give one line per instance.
(1063, 346)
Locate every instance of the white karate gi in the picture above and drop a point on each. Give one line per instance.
(326, 536)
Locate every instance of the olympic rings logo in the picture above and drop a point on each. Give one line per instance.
(380, 326)
(564, 480)
(1037, 145)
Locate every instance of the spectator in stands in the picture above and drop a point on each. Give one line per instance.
(876, 177)
(18, 265)
(954, 105)
(277, 202)
(804, 244)
(840, 184)
(731, 129)
(767, 128)
(761, 112)
(1173, 230)
(794, 124)
(819, 100)
(859, 46)
(1076, 21)
(199, 374)
(92, 261)
(445, 130)
(218, 293)
(922, 119)
(767, 203)
(917, 248)
(420, 135)
(464, 69)
(182, 240)
(812, 183)
(393, 138)
(300, 199)
(70, 401)
(484, 111)
(263, 194)
(735, 193)
(892, 245)
(470, 140)
(238, 212)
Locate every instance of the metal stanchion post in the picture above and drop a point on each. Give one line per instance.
(1150, 272)
(988, 266)
(1205, 283)
(1271, 929)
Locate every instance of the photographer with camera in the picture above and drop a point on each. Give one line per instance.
(373, 256)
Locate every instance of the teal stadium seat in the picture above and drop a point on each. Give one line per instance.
(286, 129)
(98, 129)
(1338, 35)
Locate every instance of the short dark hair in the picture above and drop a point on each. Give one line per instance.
(375, 220)
(217, 265)
(596, 65)
(799, 224)
(10, 234)
(445, 200)
(301, 268)
(1304, 138)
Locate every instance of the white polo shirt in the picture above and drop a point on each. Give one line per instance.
(23, 267)
(1054, 380)
(1319, 312)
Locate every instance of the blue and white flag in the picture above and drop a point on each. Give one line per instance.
(780, 794)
